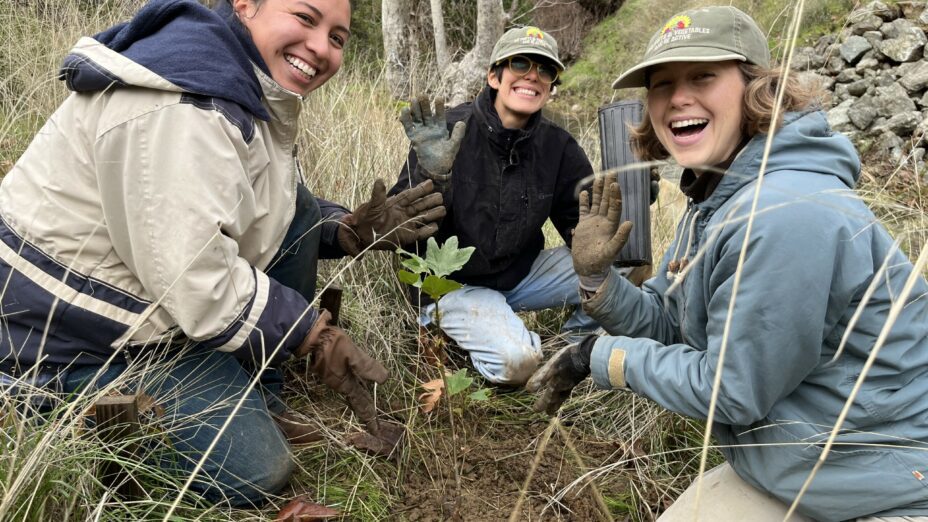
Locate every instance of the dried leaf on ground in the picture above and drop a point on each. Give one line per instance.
(301, 509)
(433, 390)
(383, 443)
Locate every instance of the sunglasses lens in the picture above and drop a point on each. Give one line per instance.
(547, 73)
(520, 65)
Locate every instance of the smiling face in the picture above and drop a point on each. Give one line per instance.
(696, 110)
(301, 41)
(517, 98)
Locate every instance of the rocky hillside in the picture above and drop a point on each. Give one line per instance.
(877, 70)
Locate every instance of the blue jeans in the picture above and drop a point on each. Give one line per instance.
(198, 391)
(483, 321)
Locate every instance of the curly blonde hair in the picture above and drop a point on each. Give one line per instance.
(757, 107)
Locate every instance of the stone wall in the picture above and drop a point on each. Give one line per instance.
(877, 71)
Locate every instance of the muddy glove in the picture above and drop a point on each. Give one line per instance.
(342, 366)
(599, 236)
(384, 223)
(561, 374)
(428, 134)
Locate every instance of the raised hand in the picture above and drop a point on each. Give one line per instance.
(384, 223)
(599, 235)
(428, 134)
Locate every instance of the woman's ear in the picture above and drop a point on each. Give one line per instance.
(242, 8)
(492, 80)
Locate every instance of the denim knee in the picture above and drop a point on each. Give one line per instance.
(249, 481)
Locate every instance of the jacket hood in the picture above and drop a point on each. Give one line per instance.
(805, 143)
(193, 48)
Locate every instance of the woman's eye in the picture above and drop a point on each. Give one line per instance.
(338, 40)
(305, 18)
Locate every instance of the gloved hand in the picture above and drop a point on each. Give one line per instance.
(428, 134)
(342, 366)
(599, 236)
(384, 223)
(561, 374)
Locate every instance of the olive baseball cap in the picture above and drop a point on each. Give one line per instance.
(708, 34)
(526, 40)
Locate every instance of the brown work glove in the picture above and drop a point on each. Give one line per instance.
(342, 366)
(599, 235)
(384, 223)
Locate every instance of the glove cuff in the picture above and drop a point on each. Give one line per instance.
(591, 283)
(580, 357)
(311, 341)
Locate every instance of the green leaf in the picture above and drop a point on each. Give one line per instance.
(458, 382)
(439, 286)
(413, 262)
(482, 394)
(448, 258)
(409, 278)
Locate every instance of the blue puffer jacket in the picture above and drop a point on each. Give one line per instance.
(813, 252)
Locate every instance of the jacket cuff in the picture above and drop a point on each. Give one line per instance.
(607, 365)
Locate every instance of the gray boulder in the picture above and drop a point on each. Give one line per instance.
(838, 116)
(901, 124)
(853, 48)
(858, 88)
(891, 100)
(915, 78)
(904, 42)
(862, 114)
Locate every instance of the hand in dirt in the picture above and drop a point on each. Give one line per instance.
(428, 134)
(301, 509)
(384, 439)
(342, 366)
(384, 223)
(560, 375)
(599, 235)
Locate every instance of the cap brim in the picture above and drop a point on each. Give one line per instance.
(635, 77)
(532, 51)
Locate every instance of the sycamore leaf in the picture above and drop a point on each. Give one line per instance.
(429, 400)
(409, 278)
(458, 382)
(482, 394)
(438, 286)
(448, 258)
(415, 264)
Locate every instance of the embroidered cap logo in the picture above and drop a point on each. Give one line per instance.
(677, 22)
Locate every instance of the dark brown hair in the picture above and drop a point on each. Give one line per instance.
(760, 94)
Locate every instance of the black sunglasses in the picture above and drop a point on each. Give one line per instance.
(520, 66)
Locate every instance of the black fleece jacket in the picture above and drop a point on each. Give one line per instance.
(505, 184)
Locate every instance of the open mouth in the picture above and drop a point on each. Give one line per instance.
(306, 70)
(525, 92)
(689, 127)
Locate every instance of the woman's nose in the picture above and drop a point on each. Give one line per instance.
(681, 95)
(317, 42)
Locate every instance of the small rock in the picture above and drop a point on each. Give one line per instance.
(867, 66)
(861, 116)
(882, 10)
(901, 124)
(847, 76)
(868, 22)
(915, 78)
(855, 47)
(904, 41)
(923, 18)
(923, 102)
(858, 88)
(822, 46)
(835, 65)
(891, 100)
(885, 79)
(873, 37)
(918, 154)
(838, 116)
(840, 93)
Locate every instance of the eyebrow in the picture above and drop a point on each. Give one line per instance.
(320, 15)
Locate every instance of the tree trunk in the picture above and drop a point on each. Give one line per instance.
(397, 45)
(465, 77)
(438, 26)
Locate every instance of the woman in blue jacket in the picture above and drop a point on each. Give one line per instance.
(777, 288)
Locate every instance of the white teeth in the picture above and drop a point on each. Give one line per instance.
(522, 90)
(687, 123)
(300, 65)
